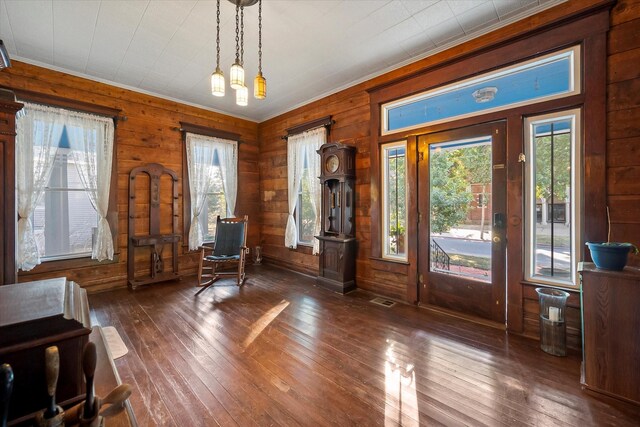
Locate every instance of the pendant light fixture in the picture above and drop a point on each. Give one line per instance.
(242, 93)
(260, 83)
(236, 75)
(217, 78)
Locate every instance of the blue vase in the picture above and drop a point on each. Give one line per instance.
(609, 256)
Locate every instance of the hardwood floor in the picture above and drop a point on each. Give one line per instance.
(280, 351)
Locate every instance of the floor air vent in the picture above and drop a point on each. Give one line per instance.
(383, 302)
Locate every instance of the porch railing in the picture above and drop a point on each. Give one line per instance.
(440, 259)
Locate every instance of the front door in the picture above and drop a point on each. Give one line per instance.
(462, 202)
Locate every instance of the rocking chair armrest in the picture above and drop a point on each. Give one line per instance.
(205, 248)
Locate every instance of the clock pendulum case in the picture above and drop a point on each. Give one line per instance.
(337, 233)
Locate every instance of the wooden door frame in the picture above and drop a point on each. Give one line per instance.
(587, 28)
(482, 292)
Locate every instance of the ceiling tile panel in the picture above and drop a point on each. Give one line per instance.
(434, 15)
(5, 30)
(415, 6)
(117, 23)
(458, 7)
(479, 17)
(508, 8)
(32, 27)
(445, 32)
(74, 24)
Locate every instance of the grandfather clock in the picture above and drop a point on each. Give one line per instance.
(337, 234)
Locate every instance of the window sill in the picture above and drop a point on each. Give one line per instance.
(303, 249)
(568, 288)
(68, 264)
(395, 261)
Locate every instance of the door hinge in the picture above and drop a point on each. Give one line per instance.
(420, 156)
(419, 217)
(522, 158)
(420, 279)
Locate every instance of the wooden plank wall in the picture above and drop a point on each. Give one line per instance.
(350, 110)
(623, 152)
(623, 123)
(147, 136)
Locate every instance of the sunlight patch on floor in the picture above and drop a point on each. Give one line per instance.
(401, 401)
(263, 322)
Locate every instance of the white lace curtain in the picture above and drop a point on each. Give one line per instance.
(300, 147)
(39, 129)
(201, 151)
(91, 141)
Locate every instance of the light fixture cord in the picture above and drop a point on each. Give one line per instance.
(259, 37)
(218, 36)
(242, 35)
(237, 33)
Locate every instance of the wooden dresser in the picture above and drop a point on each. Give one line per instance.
(611, 331)
(39, 314)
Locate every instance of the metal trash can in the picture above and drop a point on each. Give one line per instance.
(553, 329)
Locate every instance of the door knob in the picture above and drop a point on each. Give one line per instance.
(496, 239)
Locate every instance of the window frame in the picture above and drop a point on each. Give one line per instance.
(57, 264)
(530, 201)
(575, 84)
(384, 148)
(186, 192)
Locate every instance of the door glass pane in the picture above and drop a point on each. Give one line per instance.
(460, 207)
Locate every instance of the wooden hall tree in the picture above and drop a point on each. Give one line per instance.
(152, 236)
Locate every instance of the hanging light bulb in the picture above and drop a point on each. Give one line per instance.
(217, 78)
(236, 75)
(242, 96)
(260, 83)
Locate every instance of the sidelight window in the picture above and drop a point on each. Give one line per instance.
(552, 198)
(394, 192)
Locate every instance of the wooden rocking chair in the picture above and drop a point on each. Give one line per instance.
(230, 246)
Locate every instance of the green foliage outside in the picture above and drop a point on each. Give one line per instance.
(215, 205)
(396, 197)
(305, 214)
(561, 151)
(452, 173)
(450, 195)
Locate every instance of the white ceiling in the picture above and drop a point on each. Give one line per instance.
(310, 48)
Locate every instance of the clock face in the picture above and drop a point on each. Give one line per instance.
(332, 163)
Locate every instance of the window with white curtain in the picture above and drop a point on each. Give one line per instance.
(212, 166)
(303, 170)
(64, 165)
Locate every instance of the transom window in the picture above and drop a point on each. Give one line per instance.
(552, 198)
(394, 193)
(551, 76)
